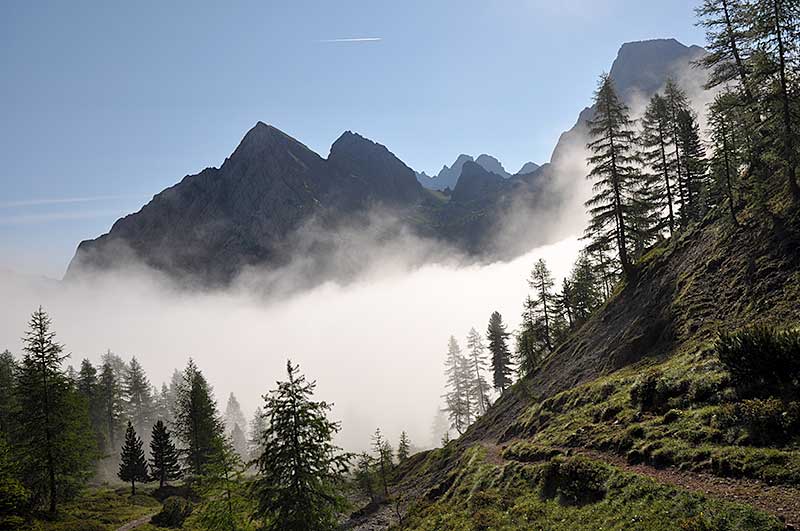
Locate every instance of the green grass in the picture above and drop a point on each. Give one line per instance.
(98, 509)
(552, 496)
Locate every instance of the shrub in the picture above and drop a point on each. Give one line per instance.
(762, 361)
(766, 421)
(574, 481)
(173, 513)
(653, 392)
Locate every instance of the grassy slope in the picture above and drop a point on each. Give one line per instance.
(655, 329)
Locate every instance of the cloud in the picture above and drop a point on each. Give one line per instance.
(62, 200)
(353, 39)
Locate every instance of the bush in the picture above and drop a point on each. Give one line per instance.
(763, 361)
(653, 392)
(173, 513)
(766, 421)
(575, 480)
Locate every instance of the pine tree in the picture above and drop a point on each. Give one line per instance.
(613, 169)
(52, 432)
(726, 25)
(383, 460)
(403, 447)
(109, 395)
(299, 468)
(694, 181)
(501, 356)
(164, 458)
(365, 475)
(775, 34)
(479, 388)
(8, 368)
(197, 422)
(138, 397)
(233, 414)
(457, 396)
(258, 425)
(133, 465)
(226, 500)
(656, 141)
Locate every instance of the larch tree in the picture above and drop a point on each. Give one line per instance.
(722, 119)
(479, 387)
(383, 460)
(197, 422)
(51, 430)
(164, 457)
(677, 103)
(299, 470)
(258, 425)
(531, 345)
(694, 180)
(613, 169)
(502, 367)
(109, 393)
(133, 465)
(238, 441)
(543, 304)
(8, 369)
(457, 396)
(226, 502)
(657, 139)
(233, 414)
(365, 475)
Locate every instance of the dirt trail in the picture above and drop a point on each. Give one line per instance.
(136, 523)
(779, 500)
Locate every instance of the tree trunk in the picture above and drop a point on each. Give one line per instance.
(788, 141)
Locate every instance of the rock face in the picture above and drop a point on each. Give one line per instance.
(211, 226)
(528, 167)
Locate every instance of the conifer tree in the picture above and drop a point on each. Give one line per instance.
(501, 356)
(693, 182)
(725, 159)
(238, 441)
(775, 34)
(110, 404)
(8, 368)
(531, 345)
(226, 500)
(656, 141)
(457, 396)
(613, 170)
(197, 422)
(88, 386)
(133, 465)
(138, 397)
(161, 404)
(258, 425)
(383, 460)
(439, 426)
(585, 294)
(52, 432)
(233, 414)
(677, 103)
(543, 304)
(479, 388)
(164, 458)
(299, 468)
(403, 447)
(365, 475)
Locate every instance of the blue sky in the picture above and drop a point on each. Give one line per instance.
(104, 104)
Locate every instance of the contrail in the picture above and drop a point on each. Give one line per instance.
(354, 39)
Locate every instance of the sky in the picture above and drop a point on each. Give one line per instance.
(104, 104)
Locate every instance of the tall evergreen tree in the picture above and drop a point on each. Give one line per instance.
(457, 397)
(197, 422)
(498, 347)
(531, 344)
(585, 294)
(365, 475)
(383, 460)
(133, 465)
(8, 368)
(258, 425)
(226, 501)
(88, 387)
(479, 388)
(52, 431)
(403, 447)
(164, 458)
(725, 159)
(238, 441)
(613, 170)
(656, 141)
(543, 304)
(299, 468)
(677, 103)
(694, 181)
(138, 397)
(775, 34)
(109, 395)
(162, 409)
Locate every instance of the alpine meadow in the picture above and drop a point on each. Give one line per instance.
(311, 335)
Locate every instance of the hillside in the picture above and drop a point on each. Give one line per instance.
(630, 420)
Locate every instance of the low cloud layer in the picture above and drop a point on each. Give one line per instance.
(376, 345)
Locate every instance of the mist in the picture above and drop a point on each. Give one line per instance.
(375, 345)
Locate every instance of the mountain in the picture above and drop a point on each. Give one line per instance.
(274, 201)
(528, 167)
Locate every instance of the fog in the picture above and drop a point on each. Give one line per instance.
(375, 346)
